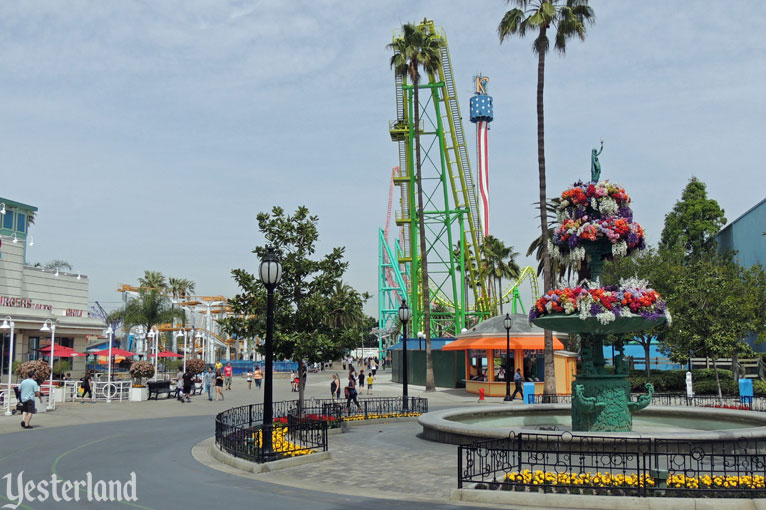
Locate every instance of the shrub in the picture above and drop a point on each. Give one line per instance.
(708, 374)
(140, 370)
(759, 388)
(61, 366)
(37, 370)
(708, 387)
(195, 366)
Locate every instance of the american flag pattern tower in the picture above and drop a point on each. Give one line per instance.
(482, 115)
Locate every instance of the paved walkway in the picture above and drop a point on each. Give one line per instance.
(377, 459)
(318, 386)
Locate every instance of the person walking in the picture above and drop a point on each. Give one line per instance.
(209, 382)
(337, 390)
(249, 380)
(361, 378)
(29, 389)
(334, 386)
(293, 384)
(218, 384)
(227, 373)
(188, 382)
(370, 380)
(351, 394)
(180, 385)
(258, 376)
(517, 380)
(374, 367)
(85, 385)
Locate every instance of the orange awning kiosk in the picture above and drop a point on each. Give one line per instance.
(499, 344)
(484, 346)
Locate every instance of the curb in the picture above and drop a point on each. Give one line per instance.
(254, 467)
(532, 501)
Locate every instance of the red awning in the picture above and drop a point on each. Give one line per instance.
(116, 351)
(60, 351)
(499, 343)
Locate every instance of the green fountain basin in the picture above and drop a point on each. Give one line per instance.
(591, 326)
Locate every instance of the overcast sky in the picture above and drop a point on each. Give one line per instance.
(151, 133)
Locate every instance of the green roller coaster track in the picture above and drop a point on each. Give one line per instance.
(450, 210)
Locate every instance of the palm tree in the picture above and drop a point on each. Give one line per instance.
(418, 48)
(153, 280)
(151, 308)
(58, 264)
(345, 307)
(500, 263)
(568, 18)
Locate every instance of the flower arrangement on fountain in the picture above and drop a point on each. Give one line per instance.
(141, 370)
(632, 297)
(589, 212)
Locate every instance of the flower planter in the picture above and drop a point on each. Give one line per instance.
(138, 394)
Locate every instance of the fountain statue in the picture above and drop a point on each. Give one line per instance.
(596, 223)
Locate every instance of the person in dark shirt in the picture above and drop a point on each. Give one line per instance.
(188, 379)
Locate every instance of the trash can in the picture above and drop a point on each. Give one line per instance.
(529, 393)
(746, 391)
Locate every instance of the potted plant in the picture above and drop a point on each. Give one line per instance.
(37, 370)
(138, 371)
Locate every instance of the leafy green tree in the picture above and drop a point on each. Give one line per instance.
(716, 304)
(693, 223)
(309, 325)
(181, 288)
(418, 48)
(151, 308)
(568, 19)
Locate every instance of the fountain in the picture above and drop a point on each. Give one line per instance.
(595, 224)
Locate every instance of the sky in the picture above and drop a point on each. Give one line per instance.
(151, 133)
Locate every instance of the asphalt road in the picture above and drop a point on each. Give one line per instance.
(167, 476)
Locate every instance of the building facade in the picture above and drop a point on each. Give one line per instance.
(30, 296)
(747, 236)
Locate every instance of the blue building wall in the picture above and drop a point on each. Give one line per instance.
(745, 235)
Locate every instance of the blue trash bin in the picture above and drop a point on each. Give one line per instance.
(529, 393)
(746, 391)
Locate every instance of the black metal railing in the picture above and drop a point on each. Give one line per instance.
(609, 465)
(299, 430)
(678, 400)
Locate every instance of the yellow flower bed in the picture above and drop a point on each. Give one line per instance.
(681, 481)
(281, 445)
(599, 479)
(619, 480)
(371, 416)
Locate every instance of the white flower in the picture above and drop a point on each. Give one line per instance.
(608, 206)
(569, 308)
(594, 203)
(606, 317)
(620, 249)
(668, 317)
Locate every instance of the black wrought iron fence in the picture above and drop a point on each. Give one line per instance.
(609, 465)
(678, 400)
(300, 429)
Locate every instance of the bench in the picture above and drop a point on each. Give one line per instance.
(197, 388)
(157, 387)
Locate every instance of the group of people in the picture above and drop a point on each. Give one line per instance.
(370, 363)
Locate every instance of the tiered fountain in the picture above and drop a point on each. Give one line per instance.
(596, 223)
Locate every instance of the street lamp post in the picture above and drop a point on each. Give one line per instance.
(199, 336)
(183, 333)
(52, 329)
(270, 273)
(155, 337)
(9, 324)
(110, 333)
(507, 324)
(404, 316)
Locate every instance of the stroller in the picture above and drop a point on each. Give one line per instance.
(19, 404)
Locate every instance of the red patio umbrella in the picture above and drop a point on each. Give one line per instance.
(60, 351)
(167, 354)
(116, 351)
